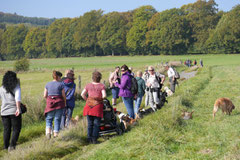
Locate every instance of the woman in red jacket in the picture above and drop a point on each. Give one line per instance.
(94, 105)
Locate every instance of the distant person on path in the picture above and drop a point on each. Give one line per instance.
(141, 92)
(10, 95)
(115, 90)
(125, 90)
(201, 62)
(94, 105)
(195, 62)
(56, 101)
(172, 79)
(69, 88)
(154, 82)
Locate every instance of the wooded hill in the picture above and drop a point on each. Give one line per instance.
(195, 28)
(16, 19)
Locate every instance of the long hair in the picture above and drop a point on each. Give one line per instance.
(10, 81)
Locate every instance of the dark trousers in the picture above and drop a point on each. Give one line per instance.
(93, 127)
(172, 84)
(12, 124)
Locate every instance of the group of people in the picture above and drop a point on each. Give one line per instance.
(60, 103)
(149, 83)
(60, 99)
(188, 62)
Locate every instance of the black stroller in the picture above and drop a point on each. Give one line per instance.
(109, 123)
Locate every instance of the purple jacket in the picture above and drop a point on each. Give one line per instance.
(125, 85)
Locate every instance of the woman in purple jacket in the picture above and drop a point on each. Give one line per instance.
(125, 90)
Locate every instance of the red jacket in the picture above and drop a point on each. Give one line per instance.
(53, 103)
(93, 111)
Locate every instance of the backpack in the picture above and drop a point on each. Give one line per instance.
(159, 81)
(177, 75)
(134, 86)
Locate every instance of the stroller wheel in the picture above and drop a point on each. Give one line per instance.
(119, 131)
(122, 127)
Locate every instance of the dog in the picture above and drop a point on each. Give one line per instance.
(162, 99)
(169, 92)
(127, 121)
(74, 121)
(187, 115)
(225, 104)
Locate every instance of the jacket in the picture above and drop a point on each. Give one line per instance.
(125, 86)
(69, 87)
(141, 86)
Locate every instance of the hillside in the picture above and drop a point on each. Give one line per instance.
(16, 19)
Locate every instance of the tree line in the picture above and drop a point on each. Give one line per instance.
(15, 19)
(195, 28)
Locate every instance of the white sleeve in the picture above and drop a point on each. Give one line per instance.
(18, 94)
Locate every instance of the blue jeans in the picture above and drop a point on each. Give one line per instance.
(128, 102)
(138, 102)
(66, 116)
(93, 127)
(56, 115)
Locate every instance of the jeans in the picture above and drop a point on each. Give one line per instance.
(128, 102)
(56, 115)
(138, 102)
(66, 116)
(93, 127)
(12, 124)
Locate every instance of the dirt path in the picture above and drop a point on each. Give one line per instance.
(187, 75)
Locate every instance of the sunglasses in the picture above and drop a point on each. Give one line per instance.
(122, 70)
(150, 70)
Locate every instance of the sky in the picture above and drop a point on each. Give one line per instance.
(76, 8)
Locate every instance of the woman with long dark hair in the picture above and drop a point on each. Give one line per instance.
(10, 95)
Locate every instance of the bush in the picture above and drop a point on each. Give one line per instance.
(21, 65)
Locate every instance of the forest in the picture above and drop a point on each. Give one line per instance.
(195, 28)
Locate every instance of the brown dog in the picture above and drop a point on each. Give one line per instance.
(127, 121)
(225, 104)
(74, 121)
(187, 115)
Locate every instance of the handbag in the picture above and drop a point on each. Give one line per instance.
(23, 107)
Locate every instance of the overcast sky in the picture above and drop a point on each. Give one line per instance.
(76, 8)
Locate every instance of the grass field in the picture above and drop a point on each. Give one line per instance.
(162, 135)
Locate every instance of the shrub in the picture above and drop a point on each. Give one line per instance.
(21, 65)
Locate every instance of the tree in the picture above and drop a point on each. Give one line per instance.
(54, 37)
(203, 17)
(169, 32)
(1, 40)
(12, 41)
(112, 34)
(136, 37)
(226, 37)
(85, 36)
(34, 43)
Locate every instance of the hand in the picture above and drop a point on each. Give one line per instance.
(149, 84)
(17, 113)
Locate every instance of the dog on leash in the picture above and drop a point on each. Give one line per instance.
(169, 92)
(187, 115)
(225, 104)
(127, 121)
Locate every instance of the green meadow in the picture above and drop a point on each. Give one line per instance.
(161, 135)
